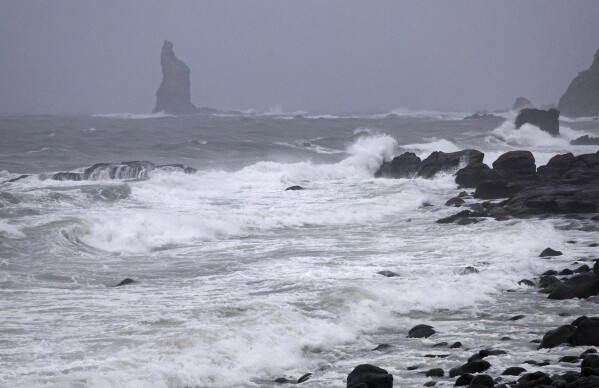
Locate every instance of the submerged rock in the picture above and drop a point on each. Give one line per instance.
(550, 252)
(582, 95)
(173, 95)
(546, 120)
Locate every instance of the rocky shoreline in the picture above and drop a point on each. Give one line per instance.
(567, 186)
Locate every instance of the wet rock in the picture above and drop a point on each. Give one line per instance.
(526, 282)
(546, 120)
(578, 320)
(455, 345)
(439, 161)
(463, 380)
(421, 331)
(582, 269)
(436, 372)
(403, 166)
(475, 366)
(554, 198)
(561, 292)
(457, 202)
(535, 379)
(517, 317)
(556, 337)
(469, 270)
(584, 285)
(413, 367)
(513, 371)
(370, 375)
(596, 268)
(67, 176)
(388, 274)
(518, 163)
(464, 214)
(566, 272)
(472, 175)
(305, 377)
(569, 359)
(382, 347)
(548, 252)
(549, 282)
(440, 345)
(125, 281)
(294, 188)
(585, 140)
(480, 381)
(283, 380)
(431, 383)
(587, 332)
(550, 272)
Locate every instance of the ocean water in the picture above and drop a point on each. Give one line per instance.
(239, 282)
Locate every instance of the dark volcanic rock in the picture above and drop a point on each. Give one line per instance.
(305, 377)
(471, 175)
(403, 166)
(371, 376)
(550, 252)
(463, 380)
(173, 95)
(562, 292)
(436, 372)
(440, 161)
(456, 202)
(521, 163)
(526, 282)
(480, 381)
(513, 371)
(522, 103)
(584, 285)
(556, 198)
(511, 172)
(546, 120)
(585, 140)
(125, 281)
(582, 96)
(587, 332)
(561, 335)
(421, 331)
(294, 188)
(475, 366)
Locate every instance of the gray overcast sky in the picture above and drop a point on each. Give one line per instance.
(337, 56)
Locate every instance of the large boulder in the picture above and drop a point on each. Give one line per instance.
(173, 95)
(584, 285)
(546, 120)
(441, 161)
(558, 198)
(512, 171)
(522, 103)
(370, 376)
(559, 336)
(582, 96)
(518, 163)
(403, 166)
(471, 175)
(587, 332)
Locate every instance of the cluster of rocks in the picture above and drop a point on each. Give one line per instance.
(566, 184)
(123, 170)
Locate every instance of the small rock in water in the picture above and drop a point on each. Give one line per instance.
(482, 381)
(456, 345)
(582, 269)
(389, 274)
(517, 317)
(370, 376)
(436, 372)
(456, 202)
(550, 272)
(468, 270)
(431, 383)
(125, 281)
(526, 282)
(548, 252)
(304, 378)
(513, 371)
(283, 380)
(382, 347)
(421, 331)
(294, 188)
(440, 345)
(570, 359)
(413, 367)
(593, 245)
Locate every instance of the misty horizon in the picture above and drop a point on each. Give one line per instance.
(67, 57)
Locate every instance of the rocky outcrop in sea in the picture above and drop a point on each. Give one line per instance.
(173, 95)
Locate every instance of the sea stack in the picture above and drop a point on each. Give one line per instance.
(546, 120)
(173, 95)
(581, 99)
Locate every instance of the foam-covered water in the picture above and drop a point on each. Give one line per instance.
(238, 281)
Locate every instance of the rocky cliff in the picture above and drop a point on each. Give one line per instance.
(581, 99)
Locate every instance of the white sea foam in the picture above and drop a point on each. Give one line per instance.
(531, 136)
(424, 149)
(8, 230)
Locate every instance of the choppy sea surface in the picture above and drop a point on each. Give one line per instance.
(239, 282)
